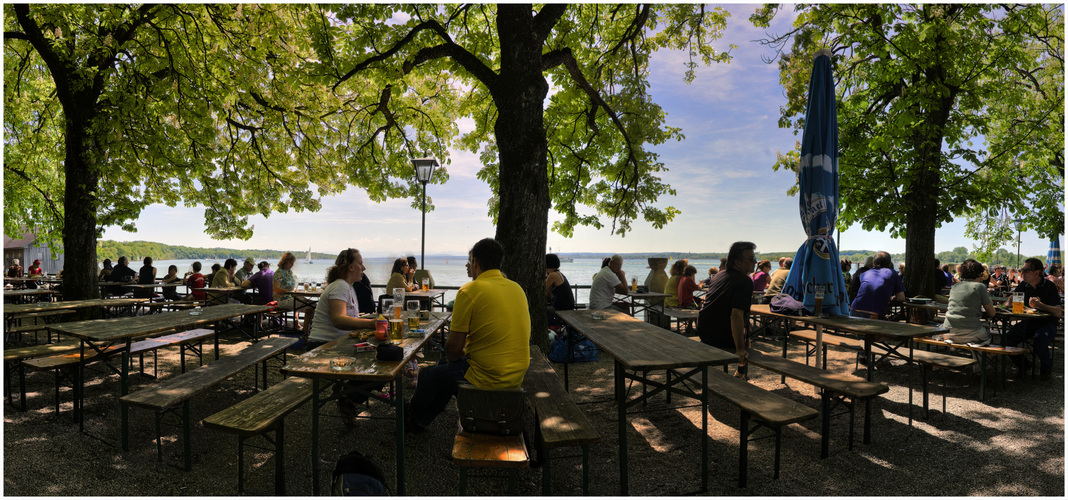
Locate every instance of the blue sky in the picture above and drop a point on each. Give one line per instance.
(722, 173)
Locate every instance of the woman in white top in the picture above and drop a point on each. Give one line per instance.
(337, 314)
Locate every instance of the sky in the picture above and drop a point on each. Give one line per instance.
(726, 188)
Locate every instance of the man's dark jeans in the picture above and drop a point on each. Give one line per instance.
(437, 385)
(1043, 334)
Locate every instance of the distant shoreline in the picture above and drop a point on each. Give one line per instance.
(136, 250)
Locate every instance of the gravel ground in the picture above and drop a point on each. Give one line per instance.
(1011, 444)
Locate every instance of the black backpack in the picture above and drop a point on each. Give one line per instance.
(358, 476)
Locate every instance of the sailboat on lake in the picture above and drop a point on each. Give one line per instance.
(308, 258)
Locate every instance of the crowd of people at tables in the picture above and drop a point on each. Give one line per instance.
(871, 290)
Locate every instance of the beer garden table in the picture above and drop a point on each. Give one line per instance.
(889, 335)
(25, 295)
(434, 296)
(649, 298)
(639, 346)
(315, 364)
(100, 334)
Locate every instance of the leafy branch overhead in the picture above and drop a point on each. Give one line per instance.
(599, 118)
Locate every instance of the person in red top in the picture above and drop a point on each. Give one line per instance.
(687, 286)
(35, 268)
(195, 282)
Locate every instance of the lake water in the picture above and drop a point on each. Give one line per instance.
(448, 272)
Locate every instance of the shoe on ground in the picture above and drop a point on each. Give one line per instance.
(409, 422)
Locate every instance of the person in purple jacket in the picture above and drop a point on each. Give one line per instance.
(263, 281)
(879, 287)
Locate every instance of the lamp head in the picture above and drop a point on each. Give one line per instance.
(424, 168)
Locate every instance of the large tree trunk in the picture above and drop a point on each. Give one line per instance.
(520, 133)
(79, 219)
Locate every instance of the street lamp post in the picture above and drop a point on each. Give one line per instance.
(1018, 223)
(424, 170)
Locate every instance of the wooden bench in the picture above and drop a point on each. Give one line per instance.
(258, 415)
(559, 422)
(927, 359)
(171, 305)
(65, 363)
(766, 408)
(488, 450)
(40, 322)
(167, 396)
(839, 386)
(14, 357)
(984, 353)
(689, 316)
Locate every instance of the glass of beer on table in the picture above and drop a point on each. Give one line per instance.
(1017, 303)
(818, 302)
(426, 284)
(413, 314)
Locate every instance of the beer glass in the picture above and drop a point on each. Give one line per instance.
(1017, 303)
(818, 303)
(413, 314)
(387, 307)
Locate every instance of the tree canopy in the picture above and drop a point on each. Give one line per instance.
(919, 87)
(581, 147)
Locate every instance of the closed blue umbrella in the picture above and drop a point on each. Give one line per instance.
(816, 262)
(1054, 255)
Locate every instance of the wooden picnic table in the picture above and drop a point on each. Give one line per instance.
(25, 295)
(315, 364)
(639, 346)
(649, 301)
(891, 336)
(434, 296)
(212, 293)
(100, 334)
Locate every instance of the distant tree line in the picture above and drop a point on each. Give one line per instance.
(955, 256)
(135, 250)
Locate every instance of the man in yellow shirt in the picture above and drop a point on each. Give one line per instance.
(489, 339)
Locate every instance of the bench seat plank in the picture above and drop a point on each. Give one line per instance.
(142, 346)
(174, 391)
(33, 351)
(487, 450)
(257, 414)
(561, 421)
(927, 357)
(841, 383)
(766, 406)
(988, 349)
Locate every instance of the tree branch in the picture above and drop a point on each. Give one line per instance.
(467, 60)
(545, 20)
(51, 205)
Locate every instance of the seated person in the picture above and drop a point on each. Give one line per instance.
(285, 282)
(145, 276)
(15, 271)
(557, 289)
(724, 319)
(1056, 277)
(399, 276)
(169, 292)
(968, 301)
(999, 281)
(778, 280)
(210, 277)
(687, 286)
(672, 286)
(224, 279)
(708, 281)
(122, 273)
(35, 269)
(246, 270)
(609, 281)
(1041, 294)
(263, 282)
(761, 276)
(489, 339)
(336, 315)
(878, 288)
(195, 282)
(365, 296)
